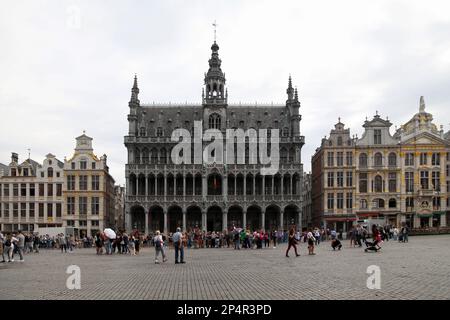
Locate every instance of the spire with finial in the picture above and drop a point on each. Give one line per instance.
(290, 90)
(135, 91)
(422, 104)
(296, 95)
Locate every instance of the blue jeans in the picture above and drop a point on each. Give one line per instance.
(108, 247)
(181, 249)
(237, 244)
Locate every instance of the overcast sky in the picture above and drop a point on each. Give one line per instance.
(68, 66)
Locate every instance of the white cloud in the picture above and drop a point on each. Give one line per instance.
(348, 58)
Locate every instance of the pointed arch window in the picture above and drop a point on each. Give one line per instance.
(142, 132)
(214, 121)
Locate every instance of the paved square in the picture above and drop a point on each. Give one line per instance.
(418, 269)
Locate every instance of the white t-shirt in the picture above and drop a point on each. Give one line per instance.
(156, 238)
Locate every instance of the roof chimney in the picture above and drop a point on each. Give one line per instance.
(14, 157)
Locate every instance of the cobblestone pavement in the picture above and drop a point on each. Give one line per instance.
(418, 269)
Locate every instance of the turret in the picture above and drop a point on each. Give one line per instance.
(215, 79)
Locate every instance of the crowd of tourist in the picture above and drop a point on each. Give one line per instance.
(21, 243)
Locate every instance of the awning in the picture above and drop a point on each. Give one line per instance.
(367, 214)
(335, 219)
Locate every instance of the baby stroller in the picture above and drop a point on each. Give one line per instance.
(336, 244)
(373, 246)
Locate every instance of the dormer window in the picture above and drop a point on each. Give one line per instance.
(83, 164)
(339, 141)
(25, 172)
(13, 172)
(377, 136)
(72, 165)
(50, 172)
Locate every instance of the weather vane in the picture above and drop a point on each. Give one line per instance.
(215, 29)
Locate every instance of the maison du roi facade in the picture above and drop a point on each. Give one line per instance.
(401, 178)
(77, 192)
(214, 197)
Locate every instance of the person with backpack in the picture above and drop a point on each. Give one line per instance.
(159, 247)
(98, 243)
(9, 247)
(404, 233)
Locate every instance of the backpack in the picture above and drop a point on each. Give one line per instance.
(8, 243)
(158, 243)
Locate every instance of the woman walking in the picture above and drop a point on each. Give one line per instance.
(292, 243)
(311, 241)
(98, 243)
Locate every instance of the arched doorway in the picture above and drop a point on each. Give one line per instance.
(193, 218)
(156, 217)
(235, 217)
(214, 219)
(272, 218)
(253, 218)
(138, 218)
(175, 217)
(290, 217)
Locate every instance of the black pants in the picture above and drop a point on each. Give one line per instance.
(291, 244)
(64, 246)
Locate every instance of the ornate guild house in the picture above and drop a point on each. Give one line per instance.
(213, 196)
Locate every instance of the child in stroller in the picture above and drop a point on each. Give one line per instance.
(335, 243)
(372, 246)
(375, 245)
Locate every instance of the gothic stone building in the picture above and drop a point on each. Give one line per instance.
(214, 197)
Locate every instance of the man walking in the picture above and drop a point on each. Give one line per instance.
(63, 242)
(237, 238)
(177, 239)
(20, 245)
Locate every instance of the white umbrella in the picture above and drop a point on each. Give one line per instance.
(109, 233)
